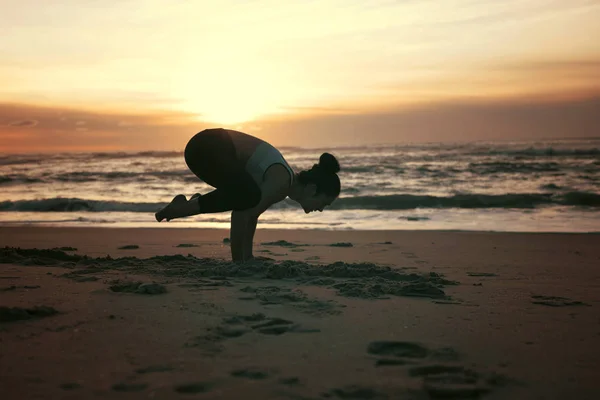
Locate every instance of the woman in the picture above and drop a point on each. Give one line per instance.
(249, 175)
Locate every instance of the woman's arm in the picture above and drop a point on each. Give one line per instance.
(243, 223)
(243, 226)
(249, 239)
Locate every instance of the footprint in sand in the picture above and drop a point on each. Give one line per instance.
(291, 381)
(244, 318)
(356, 392)
(10, 314)
(555, 301)
(239, 325)
(137, 287)
(411, 350)
(253, 373)
(84, 274)
(398, 349)
(129, 387)
(274, 326)
(84, 278)
(275, 295)
(269, 326)
(447, 302)
(203, 284)
(455, 381)
(154, 368)
(482, 274)
(341, 244)
(196, 387)
(210, 343)
(283, 243)
(440, 374)
(13, 287)
(230, 332)
(129, 247)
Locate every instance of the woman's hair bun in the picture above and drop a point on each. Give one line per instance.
(328, 163)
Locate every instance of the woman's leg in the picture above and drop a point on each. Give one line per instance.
(212, 157)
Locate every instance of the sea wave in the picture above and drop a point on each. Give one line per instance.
(60, 204)
(184, 175)
(91, 176)
(390, 202)
(509, 167)
(19, 159)
(17, 179)
(540, 152)
(509, 200)
(143, 154)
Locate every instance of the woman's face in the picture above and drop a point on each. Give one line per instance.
(316, 202)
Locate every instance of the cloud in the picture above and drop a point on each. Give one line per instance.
(585, 71)
(452, 120)
(61, 129)
(515, 81)
(24, 123)
(464, 120)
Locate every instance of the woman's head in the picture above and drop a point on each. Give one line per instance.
(321, 184)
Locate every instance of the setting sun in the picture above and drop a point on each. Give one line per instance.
(229, 92)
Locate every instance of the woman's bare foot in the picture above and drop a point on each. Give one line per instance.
(167, 212)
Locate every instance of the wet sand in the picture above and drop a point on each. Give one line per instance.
(163, 314)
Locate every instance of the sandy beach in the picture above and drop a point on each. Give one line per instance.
(163, 314)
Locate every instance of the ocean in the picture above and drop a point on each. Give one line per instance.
(536, 186)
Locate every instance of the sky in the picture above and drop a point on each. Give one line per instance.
(137, 75)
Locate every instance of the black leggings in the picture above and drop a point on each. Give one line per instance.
(212, 157)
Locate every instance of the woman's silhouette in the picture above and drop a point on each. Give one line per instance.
(249, 175)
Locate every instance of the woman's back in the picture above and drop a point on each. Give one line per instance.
(245, 144)
(256, 155)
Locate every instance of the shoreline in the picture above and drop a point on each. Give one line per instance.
(542, 219)
(6, 226)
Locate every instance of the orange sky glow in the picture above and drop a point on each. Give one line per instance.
(136, 75)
